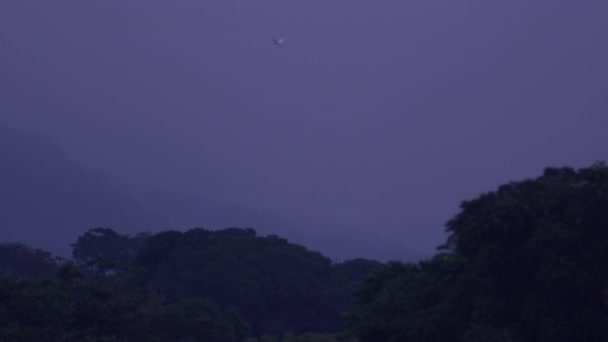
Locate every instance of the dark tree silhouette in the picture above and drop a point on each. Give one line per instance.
(523, 263)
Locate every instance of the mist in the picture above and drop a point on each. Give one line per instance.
(373, 119)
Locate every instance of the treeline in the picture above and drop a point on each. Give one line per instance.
(526, 262)
(198, 285)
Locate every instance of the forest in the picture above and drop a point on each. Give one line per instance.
(525, 262)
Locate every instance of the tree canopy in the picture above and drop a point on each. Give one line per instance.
(523, 263)
(198, 285)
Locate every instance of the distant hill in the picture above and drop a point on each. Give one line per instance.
(185, 211)
(48, 200)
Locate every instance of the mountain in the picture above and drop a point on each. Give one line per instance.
(185, 211)
(48, 200)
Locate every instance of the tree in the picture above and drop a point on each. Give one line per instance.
(522, 263)
(197, 319)
(17, 259)
(102, 243)
(405, 302)
(541, 245)
(275, 285)
(223, 285)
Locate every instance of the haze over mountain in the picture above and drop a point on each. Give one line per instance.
(372, 123)
(48, 200)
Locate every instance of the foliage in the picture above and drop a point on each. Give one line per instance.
(17, 260)
(523, 263)
(74, 308)
(404, 302)
(306, 337)
(264, 277)
(270, 285)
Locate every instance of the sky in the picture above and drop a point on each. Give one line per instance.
(378, 117)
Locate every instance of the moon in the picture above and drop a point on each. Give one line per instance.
(279, 41)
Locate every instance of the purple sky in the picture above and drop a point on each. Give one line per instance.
(379, 116)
